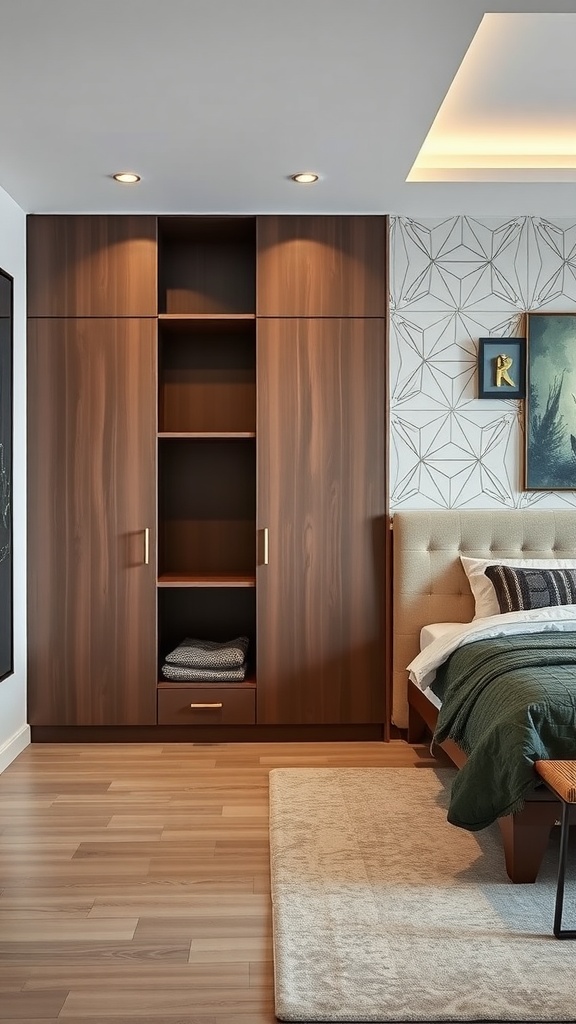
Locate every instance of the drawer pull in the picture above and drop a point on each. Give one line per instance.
(217, 704)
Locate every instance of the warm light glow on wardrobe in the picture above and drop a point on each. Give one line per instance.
(126, 177)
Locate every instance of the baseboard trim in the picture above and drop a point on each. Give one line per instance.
(15, 745)
(204, 733)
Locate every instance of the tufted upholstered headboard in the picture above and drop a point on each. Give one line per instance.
(429, 584)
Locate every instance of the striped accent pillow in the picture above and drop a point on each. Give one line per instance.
(519, 589)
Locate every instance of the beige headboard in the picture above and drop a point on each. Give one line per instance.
(429, 584)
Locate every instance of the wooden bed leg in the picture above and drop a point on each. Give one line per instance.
(417, 728)
(526, 836)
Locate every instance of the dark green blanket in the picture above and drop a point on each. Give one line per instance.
(506, 703)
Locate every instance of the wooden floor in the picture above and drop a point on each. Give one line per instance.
(134, 879)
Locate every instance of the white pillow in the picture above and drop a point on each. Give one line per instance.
(481, 587)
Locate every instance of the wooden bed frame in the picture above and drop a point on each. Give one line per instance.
(431, 586)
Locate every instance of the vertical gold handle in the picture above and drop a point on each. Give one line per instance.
(147, 546)
(265, 558)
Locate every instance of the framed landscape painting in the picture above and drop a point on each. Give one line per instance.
(550, 424)
(6, 559)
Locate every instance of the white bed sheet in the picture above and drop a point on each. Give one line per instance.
(422, 668)
(435, 630)
(431, 696)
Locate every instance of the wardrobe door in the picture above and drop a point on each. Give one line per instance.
(321, 501)
(91, 515)
(91, 265)
(321, 266)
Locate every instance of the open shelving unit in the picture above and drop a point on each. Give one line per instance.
(206, 441)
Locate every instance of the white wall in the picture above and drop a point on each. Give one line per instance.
(14, 732)
(453, 281)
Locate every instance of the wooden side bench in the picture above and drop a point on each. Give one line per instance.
(560, 777)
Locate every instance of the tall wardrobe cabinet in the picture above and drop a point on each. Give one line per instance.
(91, 470)
(321, 470)
(207, 458)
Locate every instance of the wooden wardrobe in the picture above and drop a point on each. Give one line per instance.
(207, 458)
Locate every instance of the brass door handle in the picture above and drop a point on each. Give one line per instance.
(266, 549)
(218, 704)
(147, 546)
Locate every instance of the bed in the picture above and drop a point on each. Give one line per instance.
(430, 586)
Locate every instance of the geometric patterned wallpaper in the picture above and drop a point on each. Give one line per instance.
(453, 281)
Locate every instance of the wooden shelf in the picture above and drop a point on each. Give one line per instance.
(206, 271)
(181, 580)
(207, 435)
(207, 378)
(206, 322)
(198, 684)
(218, 318)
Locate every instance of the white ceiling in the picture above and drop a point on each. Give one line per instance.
(216, 102)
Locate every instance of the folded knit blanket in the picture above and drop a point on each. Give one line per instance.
(193, 653)
(206, 675)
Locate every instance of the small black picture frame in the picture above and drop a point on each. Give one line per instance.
(501, 367)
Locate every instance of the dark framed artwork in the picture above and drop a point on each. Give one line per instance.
(550, 411)
(6, 553)
(501, 367)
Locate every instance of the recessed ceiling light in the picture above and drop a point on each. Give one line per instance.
(126, 177)
(305, 177)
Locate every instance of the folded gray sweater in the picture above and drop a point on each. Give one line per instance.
(206, 675)
(203, 654)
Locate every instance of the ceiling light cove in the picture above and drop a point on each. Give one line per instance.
(305, 177)
(127, 177)
(509, 112)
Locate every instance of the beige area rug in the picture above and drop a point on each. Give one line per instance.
(385, 912)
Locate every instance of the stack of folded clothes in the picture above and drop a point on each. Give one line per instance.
(207, 661)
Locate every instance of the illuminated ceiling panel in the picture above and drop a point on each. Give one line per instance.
(510, 113)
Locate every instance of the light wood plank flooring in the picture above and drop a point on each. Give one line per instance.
(134, 879)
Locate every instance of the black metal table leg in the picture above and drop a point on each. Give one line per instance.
(559, 932)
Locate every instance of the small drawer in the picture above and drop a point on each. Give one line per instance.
(206, 705)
